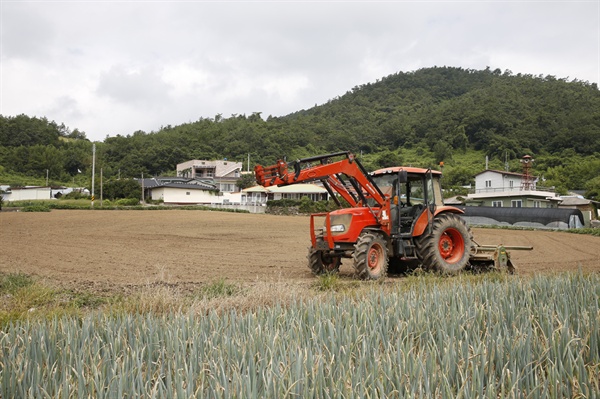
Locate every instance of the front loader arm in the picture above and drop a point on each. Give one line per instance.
(347, 177)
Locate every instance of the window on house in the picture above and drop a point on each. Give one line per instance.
(516, 203)
(187, 193)
(511, 184)
(497, 204)
(537, 204)
(227, 188)
(209, 173)
(488, 183)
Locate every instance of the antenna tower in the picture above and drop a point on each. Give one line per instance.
(527, 182)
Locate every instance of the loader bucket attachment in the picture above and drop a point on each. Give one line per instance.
(268, 173)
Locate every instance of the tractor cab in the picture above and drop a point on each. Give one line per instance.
(411, 192)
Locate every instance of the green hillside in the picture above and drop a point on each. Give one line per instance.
(435, 114)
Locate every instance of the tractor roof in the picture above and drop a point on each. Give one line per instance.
(408, 169)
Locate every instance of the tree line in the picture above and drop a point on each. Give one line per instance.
(432, 115)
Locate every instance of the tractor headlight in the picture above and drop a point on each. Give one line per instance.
(340, 223)
(338, 228)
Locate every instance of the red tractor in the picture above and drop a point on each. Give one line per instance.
(396, 218)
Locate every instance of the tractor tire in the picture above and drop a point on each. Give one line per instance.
(320, 264)
(370, 257)
(447, 246)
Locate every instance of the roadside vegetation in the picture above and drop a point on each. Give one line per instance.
(121, 204)
(420, 336)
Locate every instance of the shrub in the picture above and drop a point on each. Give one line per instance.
(75, 195)
(127, 202)
(36, 208)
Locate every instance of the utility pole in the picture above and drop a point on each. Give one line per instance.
(142, 188)
(93, 170)
(101, 198)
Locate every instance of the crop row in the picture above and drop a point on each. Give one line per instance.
(532, 338)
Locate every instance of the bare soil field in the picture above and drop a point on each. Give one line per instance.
(106, 249)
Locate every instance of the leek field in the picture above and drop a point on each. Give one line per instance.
(483, 337)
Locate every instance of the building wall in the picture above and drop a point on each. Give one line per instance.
(526, 202)
(298, 196)
(217, 169)
(25, 194)
(496, 182)
(183, 196)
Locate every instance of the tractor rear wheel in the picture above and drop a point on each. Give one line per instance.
(319, 263)
(370, 256)
(446, 247)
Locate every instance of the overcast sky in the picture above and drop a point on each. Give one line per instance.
(114, 67)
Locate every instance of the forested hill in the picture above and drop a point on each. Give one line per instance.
(488, 110)
(437, 113)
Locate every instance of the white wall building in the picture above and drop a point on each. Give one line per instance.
(508, 189)
(28, 193)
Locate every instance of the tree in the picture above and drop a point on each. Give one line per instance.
(246, 180)
(124, 188)
(442, 151)
(592, 189)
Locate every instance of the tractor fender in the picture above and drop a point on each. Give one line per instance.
(375, 230)
(423, 220)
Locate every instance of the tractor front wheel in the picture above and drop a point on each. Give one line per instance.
(370, 256)
(446, 247)
(319, 263)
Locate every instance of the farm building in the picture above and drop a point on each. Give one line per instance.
(544, 218)
(590, 209)
(27, 193)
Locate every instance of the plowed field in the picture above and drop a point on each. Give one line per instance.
(105, 248)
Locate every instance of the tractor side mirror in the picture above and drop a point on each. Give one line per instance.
(402, 176)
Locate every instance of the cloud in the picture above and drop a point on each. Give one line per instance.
(27, 33)
(133, 86)
(114, 67)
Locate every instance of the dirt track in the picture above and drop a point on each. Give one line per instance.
(138, 247)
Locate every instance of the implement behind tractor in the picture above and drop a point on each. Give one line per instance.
(396, 218)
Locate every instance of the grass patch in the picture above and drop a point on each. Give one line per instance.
(36, 208)
(12, 282)
(85, 204)
(219, 289)
(22, 297)
(328, 282)
(588, 231)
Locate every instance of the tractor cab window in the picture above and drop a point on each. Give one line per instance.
(415, 194)
(386, 183)
(437, 192)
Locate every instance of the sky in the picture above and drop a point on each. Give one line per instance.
(116, 67)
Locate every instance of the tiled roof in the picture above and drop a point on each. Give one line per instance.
(172, 182)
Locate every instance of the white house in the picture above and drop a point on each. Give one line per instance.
(173, 190)
(508, 189)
